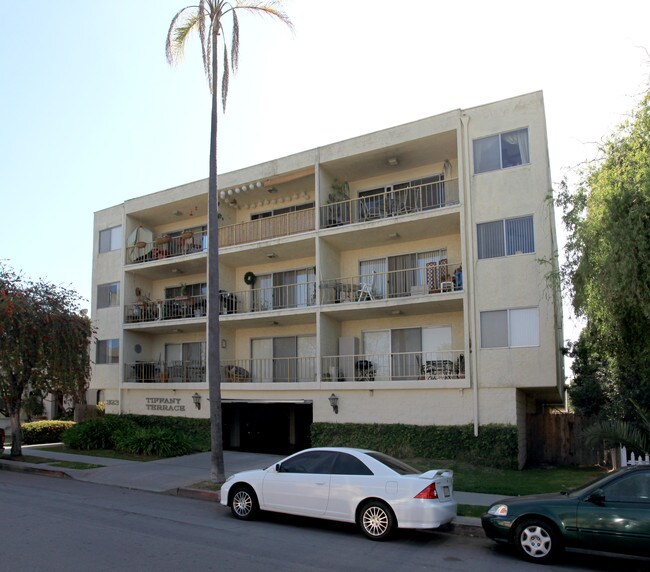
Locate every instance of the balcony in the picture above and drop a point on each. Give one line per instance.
(282, 297)
(169, 245)
(431, 278)
(172, 309)
(170, 372)
(406, 366)
(393, 203)
(267, 228)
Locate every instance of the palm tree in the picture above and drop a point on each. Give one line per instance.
(207, 18)
(633, 435)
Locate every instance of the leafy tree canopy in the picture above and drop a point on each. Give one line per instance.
(44, 340)
(607, 217)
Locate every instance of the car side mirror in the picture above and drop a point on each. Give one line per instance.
(278, 468)
(597, 497)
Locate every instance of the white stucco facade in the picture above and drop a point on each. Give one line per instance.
(420, 208)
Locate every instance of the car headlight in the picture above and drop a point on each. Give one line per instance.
(499, 510)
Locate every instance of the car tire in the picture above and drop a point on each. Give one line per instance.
(537, 540)
(243, 503)
(376, 520)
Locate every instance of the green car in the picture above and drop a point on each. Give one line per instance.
(611, 514)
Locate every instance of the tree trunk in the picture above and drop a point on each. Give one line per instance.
(16, 434)
(217, 470)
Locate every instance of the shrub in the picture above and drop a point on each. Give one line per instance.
(91, 434)
(158, 441)
(496, 445)
(38, 432)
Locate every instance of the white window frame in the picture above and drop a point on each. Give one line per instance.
(504, 230)
(512, 329)
(525, 158)
(114, 239)
(108, 295)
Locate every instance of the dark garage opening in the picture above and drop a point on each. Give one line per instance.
(278, 428)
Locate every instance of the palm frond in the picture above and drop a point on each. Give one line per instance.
(615, 432)
(644, 415)
(204, 51)
(225, 78)
(175, 41)
(266, 7)
(234, 49)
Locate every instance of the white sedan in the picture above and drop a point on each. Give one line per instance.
(374, 490)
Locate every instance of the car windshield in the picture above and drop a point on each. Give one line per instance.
(394, 464)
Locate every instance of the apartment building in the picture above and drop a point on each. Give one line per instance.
(397, 277)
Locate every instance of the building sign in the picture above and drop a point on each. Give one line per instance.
(114, 402)
(164, 404)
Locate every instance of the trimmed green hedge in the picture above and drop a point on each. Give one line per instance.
(198, 430)
(496, 445)
(39, 432)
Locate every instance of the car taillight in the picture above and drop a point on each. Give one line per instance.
(428, 492)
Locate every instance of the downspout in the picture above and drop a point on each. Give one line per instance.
(471, 287)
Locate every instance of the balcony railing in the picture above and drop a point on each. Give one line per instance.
(395, 366)
(165, 372)
(171, 309)
(405, 366)
(168, 246)
(393, 203)
(265, 228)
(431, 278)
(285, 296)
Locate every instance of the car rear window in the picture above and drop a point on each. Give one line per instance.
(393, 463)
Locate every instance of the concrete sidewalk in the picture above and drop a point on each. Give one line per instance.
(177, 474)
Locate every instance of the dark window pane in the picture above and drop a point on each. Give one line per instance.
(348, 465)
(314, 462)
(630, 488)
(519, 235)
(486, 154)
(394, 464)
(490, 239)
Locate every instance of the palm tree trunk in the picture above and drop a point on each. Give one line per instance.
(217, 471)
(16, 433)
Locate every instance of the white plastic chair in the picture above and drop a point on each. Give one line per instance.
(365, 288)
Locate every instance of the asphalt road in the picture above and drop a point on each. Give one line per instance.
(55, 524)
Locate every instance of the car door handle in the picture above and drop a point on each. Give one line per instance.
(321, 484)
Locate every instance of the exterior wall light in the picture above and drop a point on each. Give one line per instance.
(334, 402)
(196, 398)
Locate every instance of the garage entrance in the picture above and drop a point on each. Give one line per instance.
(278, 428)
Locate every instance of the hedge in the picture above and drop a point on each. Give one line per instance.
(39, 432)
(496, 445)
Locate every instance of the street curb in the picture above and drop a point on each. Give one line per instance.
(199, 494)
(19, 467)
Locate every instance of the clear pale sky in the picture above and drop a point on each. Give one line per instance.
(91, 114)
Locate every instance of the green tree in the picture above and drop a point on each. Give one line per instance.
(44, 344)
(607, 272)
(633, 434)
(207, 18)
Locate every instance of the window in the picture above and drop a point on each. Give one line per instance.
(501, 151)
(283, 210)
(314, 462)
(287, 359)
(110, 239)
(348, 465)
(631, 488)
(108, 351)
(510, 328)
(108, 295)
(505, 237)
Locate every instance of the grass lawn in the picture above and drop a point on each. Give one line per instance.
(107, 453)
(475, 479)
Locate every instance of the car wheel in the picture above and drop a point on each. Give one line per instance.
(243, 503)
(376, 520)
(536, 540)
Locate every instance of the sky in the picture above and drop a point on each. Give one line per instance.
(92, 115)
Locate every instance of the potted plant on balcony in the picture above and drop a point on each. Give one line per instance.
(183, 292)
(338, 213)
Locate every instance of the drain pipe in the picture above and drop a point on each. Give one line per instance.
(471, 296)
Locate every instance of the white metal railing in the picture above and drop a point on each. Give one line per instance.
(168, 246)
(170, 309)
(285, 296)
(433, 278)
(269, 370)
(393, 203)
(402, 366)
(634, 459)
(165, 372)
